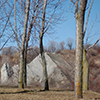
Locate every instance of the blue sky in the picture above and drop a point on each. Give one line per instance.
(67, 28)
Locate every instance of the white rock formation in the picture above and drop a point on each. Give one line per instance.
(58, 72)
(6, 73)
(35, 69)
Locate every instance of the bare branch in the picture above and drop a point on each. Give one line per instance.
(5, 42)
(72, 1)
(4, 27)
(6, 22)
(15, 24)
(34, 17)
(43, 18)
(93, 45)
(3, 3)
(25, 24)
(76, 8)
(48, 24)
(32, 23)
(94, 22)
(87, 18)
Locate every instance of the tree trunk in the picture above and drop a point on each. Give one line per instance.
(79, 48)
(25, 54)
(79, 56)
(45, 75)
(25, 68)
(21, 84)
(22, 51)
(85, 72)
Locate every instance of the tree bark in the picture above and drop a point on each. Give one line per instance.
(78, 69)
(85, 72)
(86, 68)
(21, 84)
(27, 40)
(25, 54)
(79, 15)
(25, 68)
(22, 66)
(45, 75)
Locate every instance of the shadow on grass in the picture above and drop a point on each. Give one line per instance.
(55, 90)
(1, 86)
(31, 90)
(18, 92)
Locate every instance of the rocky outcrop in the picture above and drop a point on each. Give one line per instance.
(59, 72)
(6, 73)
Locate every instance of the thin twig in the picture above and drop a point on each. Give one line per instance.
(6, 23)
(5, 42)
(76, 8)
(72, 1)
(87, 18)
(16, 36)
(93, 45)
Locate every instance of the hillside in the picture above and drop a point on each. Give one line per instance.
(93, 57)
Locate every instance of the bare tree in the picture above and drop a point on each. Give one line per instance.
(42, 49)
(35, 14)
(70, 42)
(21, 74)
(34, 23)
(79, 46)
(32, 20)
(62, 45)
(79, 16)
(9, 51)
(52, 46)
(80, 7)
(46, 23)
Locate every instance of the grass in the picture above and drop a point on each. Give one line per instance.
(9, 93)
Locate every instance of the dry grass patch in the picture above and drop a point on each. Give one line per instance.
(38, 94)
